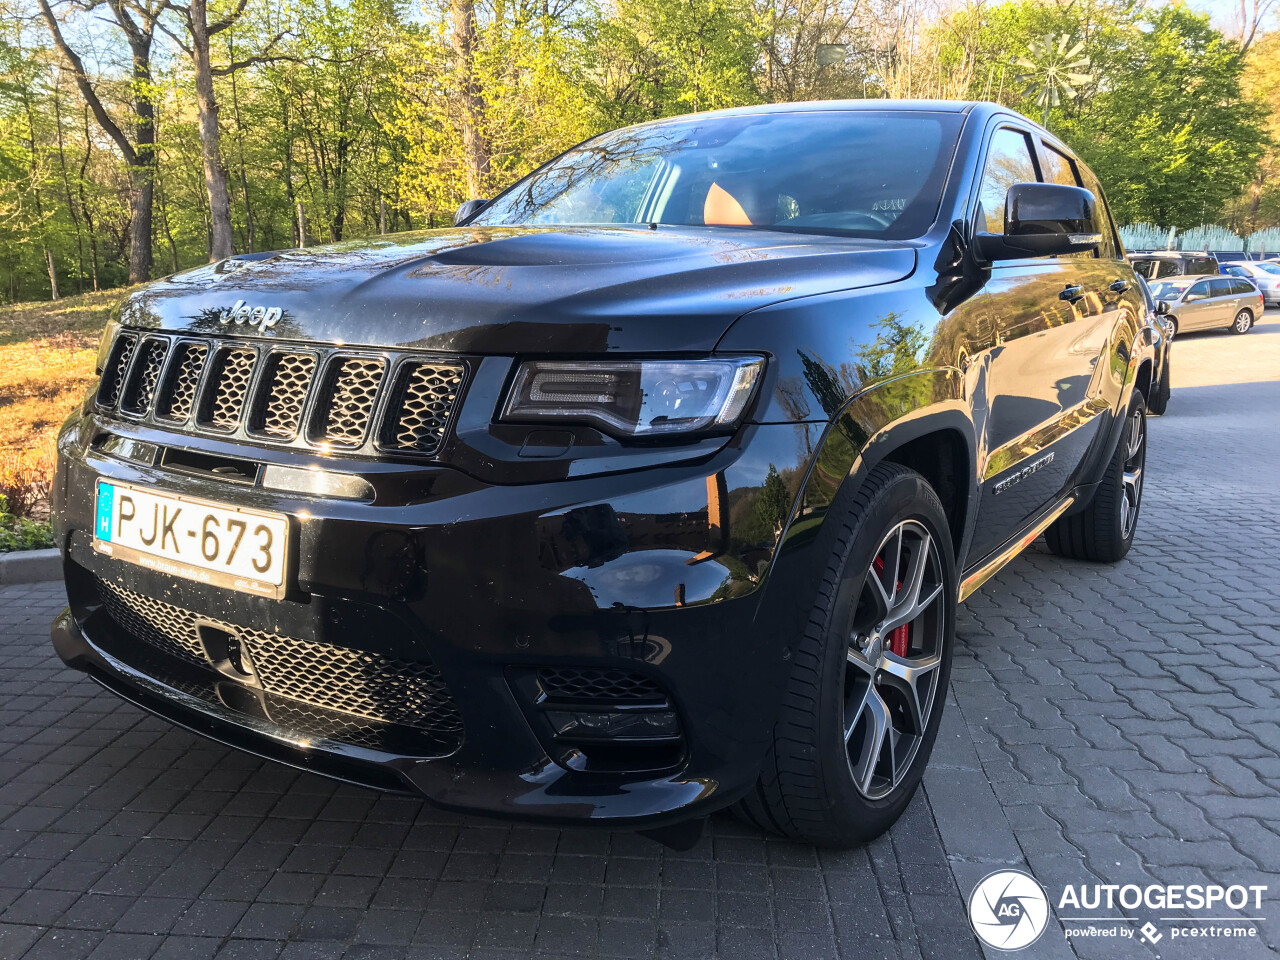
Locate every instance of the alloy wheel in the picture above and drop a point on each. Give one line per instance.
(895, 650)
(1243, 321)
(1135, 441)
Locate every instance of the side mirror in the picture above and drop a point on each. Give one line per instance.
(467, 211)
(1042, 220)
(1162, 308)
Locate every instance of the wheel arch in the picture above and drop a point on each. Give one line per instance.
(920, 421)
(1142, 380)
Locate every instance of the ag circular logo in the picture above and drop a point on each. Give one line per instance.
(1008, 910)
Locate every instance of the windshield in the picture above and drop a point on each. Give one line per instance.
(856, 173)
(1169, 289)
(1273, 268)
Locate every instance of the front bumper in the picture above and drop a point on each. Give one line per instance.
(662, 576)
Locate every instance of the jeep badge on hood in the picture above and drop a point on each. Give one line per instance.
(264, 318)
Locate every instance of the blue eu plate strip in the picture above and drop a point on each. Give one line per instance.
(106, 495)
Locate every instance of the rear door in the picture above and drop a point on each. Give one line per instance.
(1044, 312)
(1227, 295)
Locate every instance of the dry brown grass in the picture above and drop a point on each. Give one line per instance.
(47, 352)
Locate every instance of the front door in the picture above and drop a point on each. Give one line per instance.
(1199, 309)
(1050, 333)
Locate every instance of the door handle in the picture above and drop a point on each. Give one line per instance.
(1072, 293)
(1120, 286)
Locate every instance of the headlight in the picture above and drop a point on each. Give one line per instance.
(635, 398)
(104, 345)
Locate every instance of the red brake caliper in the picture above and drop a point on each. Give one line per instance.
(900, 636)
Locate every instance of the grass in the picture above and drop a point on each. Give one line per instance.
(47, 353)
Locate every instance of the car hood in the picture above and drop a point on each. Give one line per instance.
(506, 290)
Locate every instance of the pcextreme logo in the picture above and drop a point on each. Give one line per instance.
(1008, 910)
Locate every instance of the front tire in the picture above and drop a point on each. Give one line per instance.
(1243, 322)
(1103, 531)
(862, 705)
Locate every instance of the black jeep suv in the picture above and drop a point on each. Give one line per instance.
(649, 488)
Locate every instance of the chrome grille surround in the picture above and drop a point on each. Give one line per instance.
(346, 415)
(140, 390)
(178, 398)
(288, 377)
(117, 367)
(424, 404)
(232, 376)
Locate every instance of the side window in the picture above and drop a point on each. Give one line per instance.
(1008, 162)
(1242, 286)
(1167, 269)
(1109, 248)
(1198, 291)
(1222, 287)
(1058, 167)
(1203, 265)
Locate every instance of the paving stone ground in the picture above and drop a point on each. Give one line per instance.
(1106, 725)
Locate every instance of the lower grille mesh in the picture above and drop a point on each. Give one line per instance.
(169, 628)
(354, 682)
(571, 683)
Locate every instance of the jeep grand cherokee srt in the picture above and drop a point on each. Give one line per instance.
(649, 489)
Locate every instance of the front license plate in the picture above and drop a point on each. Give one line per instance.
(224, 546)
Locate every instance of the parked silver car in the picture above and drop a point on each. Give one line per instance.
(1209, 303)
(1265, 276)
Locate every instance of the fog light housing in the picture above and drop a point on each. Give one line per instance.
(581, 726)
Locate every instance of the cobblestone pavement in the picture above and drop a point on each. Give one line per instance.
(1107, 725)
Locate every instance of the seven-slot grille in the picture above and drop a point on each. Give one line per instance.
(326, 398)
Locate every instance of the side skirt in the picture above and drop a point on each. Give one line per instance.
(991, 566)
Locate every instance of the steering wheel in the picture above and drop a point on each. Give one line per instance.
(875, 220)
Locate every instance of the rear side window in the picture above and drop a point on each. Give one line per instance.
(1242, 286)
(1059, 168)
(1223, 287)
(1202, 266)
(1008, 162)
(1109, 248)
(1167, 268)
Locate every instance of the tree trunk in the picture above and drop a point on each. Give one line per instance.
(221, 244)
(84, 202)
(140, 159)
(473, 145)
(164, 225)
(66, 186)
(53, 274)
(142, 173)
(244, 177)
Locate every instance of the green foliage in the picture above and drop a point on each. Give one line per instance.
(675, 56)
(1166, 125)
(357, 112)
(1172, 135)
(21, 533)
